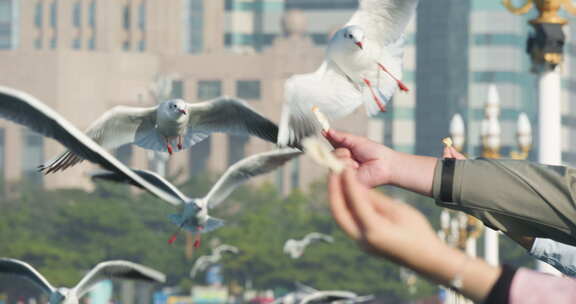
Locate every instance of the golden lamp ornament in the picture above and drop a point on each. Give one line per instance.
(546, 44)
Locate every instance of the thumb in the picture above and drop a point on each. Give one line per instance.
(343, 140)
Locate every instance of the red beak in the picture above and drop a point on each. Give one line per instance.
(359, 44)
(182, 111)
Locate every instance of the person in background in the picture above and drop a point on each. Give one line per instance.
(560, 256)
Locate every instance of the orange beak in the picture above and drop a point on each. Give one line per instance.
(359, 44)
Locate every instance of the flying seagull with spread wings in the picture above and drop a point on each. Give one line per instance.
(193, 214)
(295, 248)
(206, 260)
(172, 122)
(29, 112)
(103, 271)
(363, 64)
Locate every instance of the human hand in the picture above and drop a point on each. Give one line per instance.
(369, 159)
(391, 229)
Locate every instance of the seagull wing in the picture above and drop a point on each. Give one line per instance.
(118, 126)
(225, 248)
(117, 270)
(246, 169)
(229, 115)
(328, 89)
(200, 265)
(315, 236)
(19, 268)
(28, 111)
(384, 21)
(151, 177)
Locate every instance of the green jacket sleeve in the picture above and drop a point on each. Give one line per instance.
(516, 197)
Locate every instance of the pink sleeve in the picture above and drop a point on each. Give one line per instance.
(531, 287)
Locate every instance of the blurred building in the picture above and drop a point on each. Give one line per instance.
(463, 47)
(83, 57)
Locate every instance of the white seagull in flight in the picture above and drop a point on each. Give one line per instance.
(172, 122)
(193, 214)
(29, 112)
(206, 260)
(295, 248)
(103, 271)
(363, 64)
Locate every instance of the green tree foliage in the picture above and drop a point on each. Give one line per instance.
(66, 232)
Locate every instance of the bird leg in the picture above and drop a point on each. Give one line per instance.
(401, 85)
(168, 145)
(198, 237)
(179, 143)
(379, 102)
(175, 235)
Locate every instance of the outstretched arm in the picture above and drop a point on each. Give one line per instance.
(376, 164)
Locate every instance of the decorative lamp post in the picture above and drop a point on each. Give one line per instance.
(546, 49)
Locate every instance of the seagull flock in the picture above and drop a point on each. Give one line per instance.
(362, 66)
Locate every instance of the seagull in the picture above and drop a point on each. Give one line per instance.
(206, 260)
(363, 64)
(103, 271)
(171, 122)
(193, 214)
(295, 248)
(29, 112)
(306, 294)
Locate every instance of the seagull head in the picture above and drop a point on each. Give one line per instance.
(354, 34)
(61, 295)
(176, 107)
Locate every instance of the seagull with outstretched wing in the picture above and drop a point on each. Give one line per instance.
(29, 112)
(172, 122)
(363, 65)
(194, 212)
(103, 271)
(295, 248)
(205, 261)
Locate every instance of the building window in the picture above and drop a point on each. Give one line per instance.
(142, 16)
(248, 89)
(92, 24)
(38, 14)
(124, 154)
(195, 26)
(92, 14)
(126, 16)
(77, 14)
(54, 24)
(33, 149)
(126, 45)
(177, 89)
(6, 24)
(208, 89)
(92, 43)
(199, 155)
(142, 45)
(236, 148)
(54, 14)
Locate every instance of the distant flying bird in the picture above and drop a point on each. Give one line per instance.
(305, 294)
(295, 248)
(172, 122)
(363, 64)
(103, 271)
(29, 112)
(193, 214)
(207, 260)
